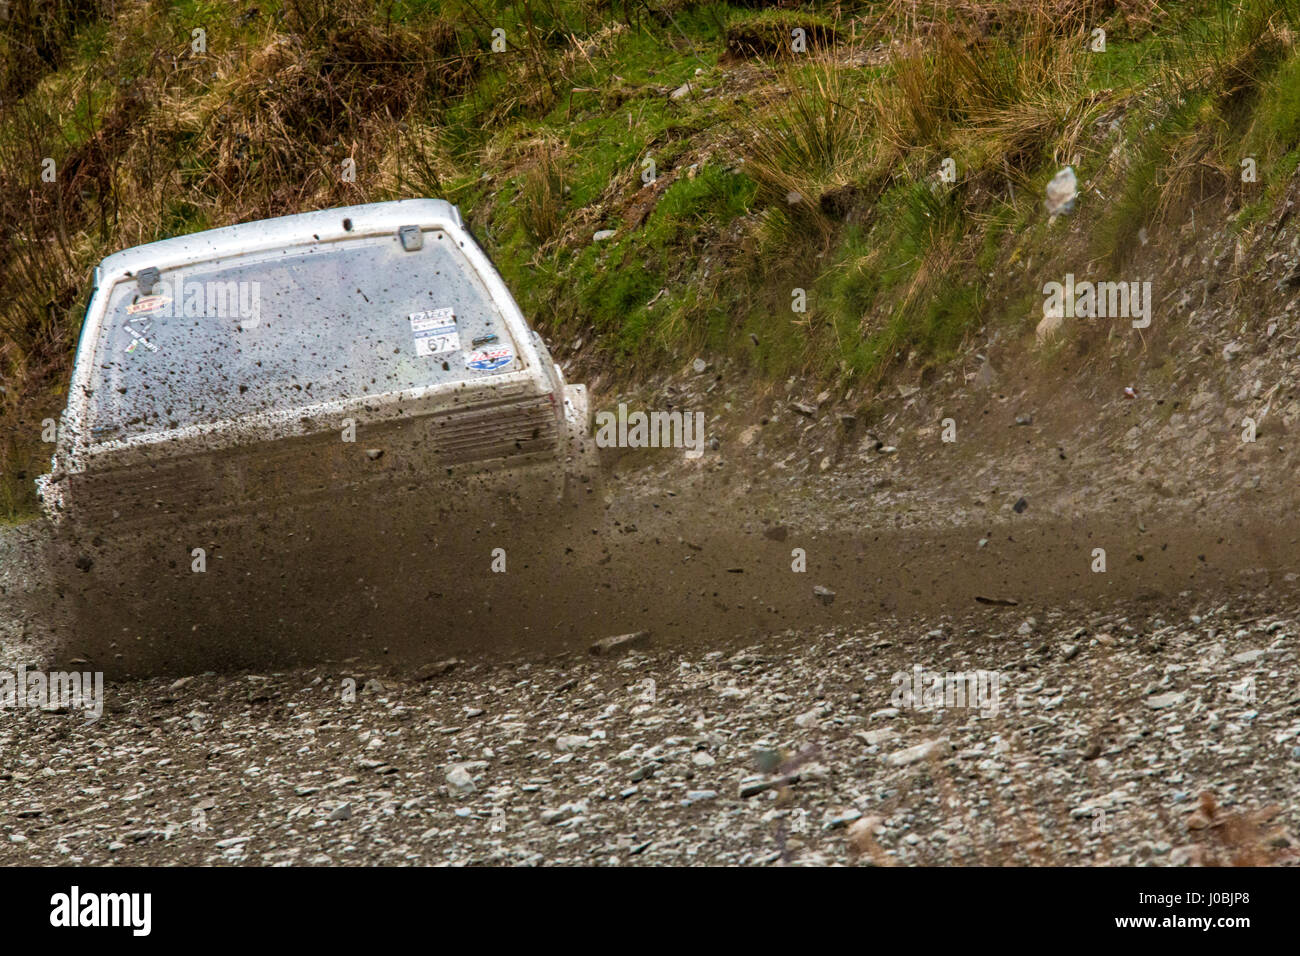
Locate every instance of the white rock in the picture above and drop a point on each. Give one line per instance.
(1061, 192)
(873, 738)
(1162, 701)
(460, 780)
(809, 718)
(911, 755)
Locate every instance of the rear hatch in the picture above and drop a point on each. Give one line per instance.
(221, 386)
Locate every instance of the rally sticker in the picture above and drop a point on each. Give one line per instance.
(148, 304)
(434, 332)
(138, 337)
(490, 359)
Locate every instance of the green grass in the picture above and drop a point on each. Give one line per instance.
(714, 197)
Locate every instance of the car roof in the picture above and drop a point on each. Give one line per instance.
(323, 226)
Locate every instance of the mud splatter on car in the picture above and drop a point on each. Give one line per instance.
(261, 412)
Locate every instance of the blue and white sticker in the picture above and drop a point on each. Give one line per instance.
(140, 332)
(434, 332)
(490, 359)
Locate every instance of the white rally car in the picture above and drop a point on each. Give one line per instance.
(305, 410)
(367, 345)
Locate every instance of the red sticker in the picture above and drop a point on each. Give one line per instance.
(148, 304)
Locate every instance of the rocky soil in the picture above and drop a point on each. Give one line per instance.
(1119, 737)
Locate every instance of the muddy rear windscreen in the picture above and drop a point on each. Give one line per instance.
(298, 326)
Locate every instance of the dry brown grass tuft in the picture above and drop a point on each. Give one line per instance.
(1238, 838)
(814, 152)
(277, 131)
(920, 18)
(961, 85)
(34, 37)
(542, 194)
